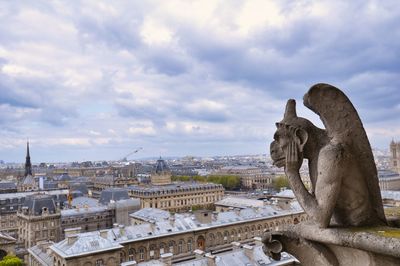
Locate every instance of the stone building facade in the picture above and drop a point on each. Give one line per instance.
(88, 219)
(11, 202)
(251, 177)
(177, 197)
(161, 175)
(180, 235)
(395, 156)
(38, 220)
(389, 180)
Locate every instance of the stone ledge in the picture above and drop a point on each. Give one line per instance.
(379, 240)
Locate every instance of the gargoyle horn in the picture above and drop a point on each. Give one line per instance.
(290, 111)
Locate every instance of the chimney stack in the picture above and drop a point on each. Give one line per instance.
(211, 259)
(104, 233)
(172, 220)
(235, 245)
(258, 241)
(121, 229)
(166, 259)
(199, 253)
(71, 239)
(72, 231)
(249, 252)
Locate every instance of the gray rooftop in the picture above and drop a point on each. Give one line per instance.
(8, 185)
(238, 257)
(36, 204)
(151, 214)
(25, 194)
(80, 211)
(113, 194)
(42, 256)
(185, 186)
(84, 244)
(161, 166)
(167, 227)
(29, 180)
(239, 202)
(82, 202)
(388, 175)
(390, 194)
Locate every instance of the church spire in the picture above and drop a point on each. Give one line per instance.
(28, 165)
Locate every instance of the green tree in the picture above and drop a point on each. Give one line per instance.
(227, 181)
(280, 182)
(11, 260)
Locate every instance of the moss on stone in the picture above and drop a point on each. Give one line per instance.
(379, 230)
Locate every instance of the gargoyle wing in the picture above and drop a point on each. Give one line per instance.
(344, 126)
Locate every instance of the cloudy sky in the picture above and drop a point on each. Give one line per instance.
(94, 80)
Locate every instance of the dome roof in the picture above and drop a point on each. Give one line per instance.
(161, 166)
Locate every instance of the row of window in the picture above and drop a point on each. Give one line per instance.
(212, 239)
(141, 255)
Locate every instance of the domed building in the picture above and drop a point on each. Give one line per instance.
(161, 175)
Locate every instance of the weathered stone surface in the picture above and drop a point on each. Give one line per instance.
(342, 169)
(337, 246)
(348, 226)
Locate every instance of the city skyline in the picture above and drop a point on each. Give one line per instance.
(92, 81)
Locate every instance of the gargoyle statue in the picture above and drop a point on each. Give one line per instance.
(345, 189)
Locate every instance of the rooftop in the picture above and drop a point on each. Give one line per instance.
(83, 244)
(39, 203)
(390, 194)
(174, 186)
(113, 194)
(239, 202)
(25, 194)
(164, 226)
(287, 193)
(80, 211)
(151, 214)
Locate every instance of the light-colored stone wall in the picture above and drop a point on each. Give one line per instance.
(183, 245)
(177, 201)
(32, 229)
(8, 223)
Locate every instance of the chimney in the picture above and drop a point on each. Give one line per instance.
(211, 259)
(25, 210)
(172, 220)
(258, 241)
(104, 233)
(72, 231)
(237, 211)
(203, 217)
(249, 252)
(71, 239)
(166, 259)
(235, 245)
(121, 229)
(215, 216)
(199, 253)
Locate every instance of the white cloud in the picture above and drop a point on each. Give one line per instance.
(186, 76)
(155, 33)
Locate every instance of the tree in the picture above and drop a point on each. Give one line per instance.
(11, 260)
(227, 181)
(280, 182)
